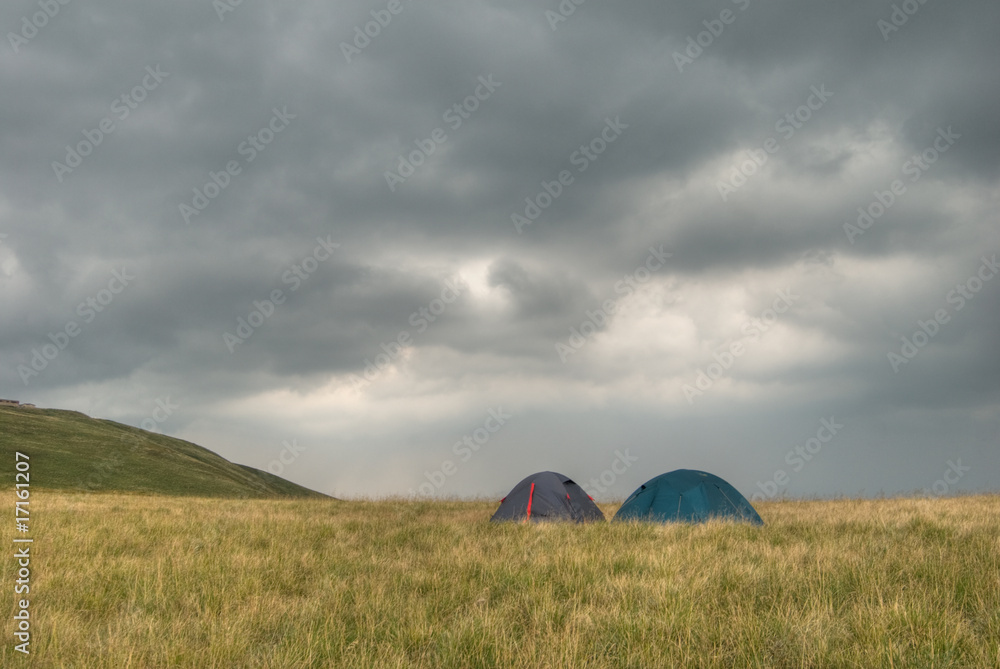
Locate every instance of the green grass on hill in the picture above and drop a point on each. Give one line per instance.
(70, 450)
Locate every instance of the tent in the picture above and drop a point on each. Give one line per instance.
(688, 496)
(547, 496)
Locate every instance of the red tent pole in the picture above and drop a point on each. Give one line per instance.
(531, 494)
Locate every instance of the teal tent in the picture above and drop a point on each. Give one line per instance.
(687, 496)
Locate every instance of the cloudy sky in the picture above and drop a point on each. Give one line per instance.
(391, 247)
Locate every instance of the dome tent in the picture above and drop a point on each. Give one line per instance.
(547, 496)
(687, 496)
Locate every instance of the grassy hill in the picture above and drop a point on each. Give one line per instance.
(72, 451)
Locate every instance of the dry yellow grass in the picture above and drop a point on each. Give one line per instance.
(131, 581)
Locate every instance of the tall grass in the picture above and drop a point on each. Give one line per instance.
(133, 581)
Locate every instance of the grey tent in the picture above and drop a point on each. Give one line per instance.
(547, 496)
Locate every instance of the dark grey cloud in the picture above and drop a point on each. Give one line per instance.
(438, 264)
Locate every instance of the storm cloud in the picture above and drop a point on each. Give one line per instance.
(690, 232)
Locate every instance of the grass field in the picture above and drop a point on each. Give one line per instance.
(142, 581)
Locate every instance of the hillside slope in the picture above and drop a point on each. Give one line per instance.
(72, 451)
